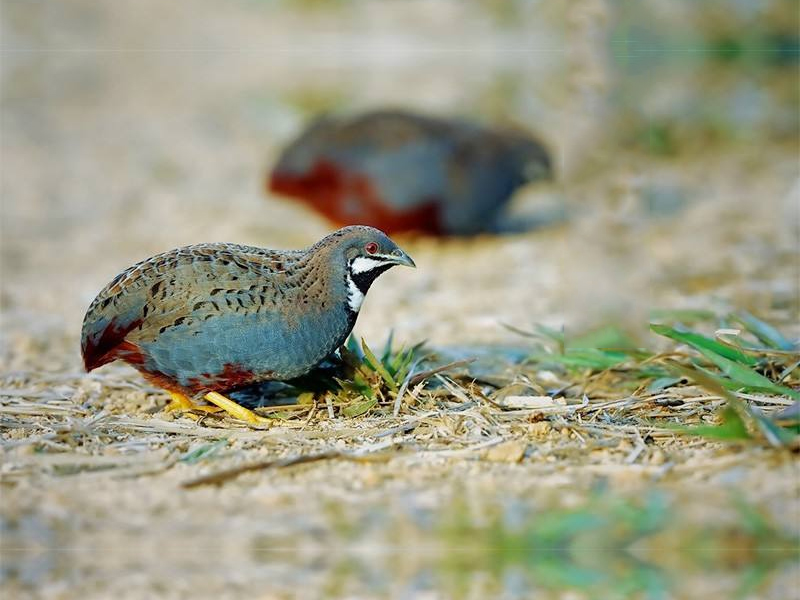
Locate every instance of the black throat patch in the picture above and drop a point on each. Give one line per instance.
(364, 279)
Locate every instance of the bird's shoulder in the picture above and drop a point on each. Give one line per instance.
(192, 265)
(177, 280)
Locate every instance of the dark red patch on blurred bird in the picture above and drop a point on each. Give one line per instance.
(399, 171)
(326, 188)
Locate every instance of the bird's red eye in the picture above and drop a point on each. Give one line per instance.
(371, 248)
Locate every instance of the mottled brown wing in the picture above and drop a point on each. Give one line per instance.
(189, 282)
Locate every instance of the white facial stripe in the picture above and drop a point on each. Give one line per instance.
(362, 264)
(354, 295)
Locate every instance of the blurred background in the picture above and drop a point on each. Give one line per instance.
(132, 127)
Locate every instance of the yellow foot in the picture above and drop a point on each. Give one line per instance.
(184, 403)
(235, 410)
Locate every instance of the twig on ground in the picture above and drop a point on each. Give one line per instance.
(364, 454)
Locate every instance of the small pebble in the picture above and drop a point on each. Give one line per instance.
(511, 451)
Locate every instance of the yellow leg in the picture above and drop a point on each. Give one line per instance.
(184, 403)
(235, 410)
(179, 402)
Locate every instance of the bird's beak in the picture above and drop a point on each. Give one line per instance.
(399, 257)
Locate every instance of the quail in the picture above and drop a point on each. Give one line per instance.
(202, 320)
(401, 171)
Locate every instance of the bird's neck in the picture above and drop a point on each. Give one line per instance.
(355, 278)
(358, 284)
(364, 279)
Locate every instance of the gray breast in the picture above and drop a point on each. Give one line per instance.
(268, 345)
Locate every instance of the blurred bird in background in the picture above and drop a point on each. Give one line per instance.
(400, 171)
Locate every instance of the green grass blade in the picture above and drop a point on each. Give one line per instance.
(589, 358)
(402, 361)
(387, 347)
(663, 383)
(605, 338)
(357, 385)
(378, 366)
(746, 376)
(728, 384)
(204, 451)
(765, 332)
(555, 335)
(352, 346)
(359, 408)
(765, 426)
(701, 343)
(711, 382)
(775, 434)
(731, 428)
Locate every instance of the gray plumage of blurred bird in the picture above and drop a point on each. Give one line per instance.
(401, 171)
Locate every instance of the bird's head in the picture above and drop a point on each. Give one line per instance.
(365, 253)
(530, 157)
(367, 249)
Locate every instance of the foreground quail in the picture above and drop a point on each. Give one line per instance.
(400, 171)
(202, 320)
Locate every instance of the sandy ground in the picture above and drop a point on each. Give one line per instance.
(154, 130)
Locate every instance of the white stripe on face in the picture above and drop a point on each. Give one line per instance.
(354, 296)
(362, 264)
